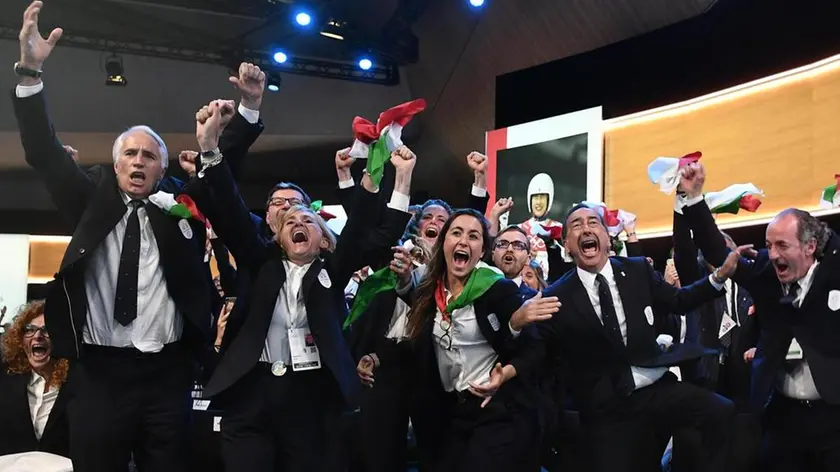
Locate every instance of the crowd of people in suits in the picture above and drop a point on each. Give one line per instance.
(426, 318)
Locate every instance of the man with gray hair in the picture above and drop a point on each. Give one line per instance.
(796, 369)
(130, 305)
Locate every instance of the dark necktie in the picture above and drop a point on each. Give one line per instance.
(608, 315)
(624, 379)
(125, 303)
(793, 291)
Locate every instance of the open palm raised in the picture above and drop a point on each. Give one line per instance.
(34, 49)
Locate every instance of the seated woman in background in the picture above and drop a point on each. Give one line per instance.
(32, 400)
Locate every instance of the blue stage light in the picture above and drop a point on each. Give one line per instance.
(302, 18)
(365, 64)
(280, 57)
(273, 87)
(477, 3)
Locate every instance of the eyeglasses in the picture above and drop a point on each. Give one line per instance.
(31, 330)
(445, 340)
(517, 245)
(280, 201)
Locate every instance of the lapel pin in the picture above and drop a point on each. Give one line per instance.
(622, 274)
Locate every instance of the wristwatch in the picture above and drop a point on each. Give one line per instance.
(27, 72)
(209, 154)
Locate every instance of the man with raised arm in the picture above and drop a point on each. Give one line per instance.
(130, 304)
(796, 369)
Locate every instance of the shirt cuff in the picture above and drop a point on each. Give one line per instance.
(478, 191)
(716, 285)
(692, 201)
(514, 332)
(403, 290)
(251, 116)
(24, 91)
(399, 201)
(343, 184)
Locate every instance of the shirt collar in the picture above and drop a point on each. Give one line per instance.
(291, 267)
(805, 281)
(588, 278)
(517, 281)
(35, 379)
(126, 198)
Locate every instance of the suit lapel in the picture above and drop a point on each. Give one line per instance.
(820, 276)
(106, 210)
(57, 413)
(310, 276)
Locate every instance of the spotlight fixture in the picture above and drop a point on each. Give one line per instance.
(114, 69)
(477, 3)
(333, 30)
(365, 63)
(303, 18)
(274, 82)
(280, 57)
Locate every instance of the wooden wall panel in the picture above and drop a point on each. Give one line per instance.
(45, 259)
(783, 139)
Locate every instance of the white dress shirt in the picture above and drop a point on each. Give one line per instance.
(799, 383)
(40, 403)
(642, 376)
(289, 313)
(470, 358)
(158, 320)
(399, 320)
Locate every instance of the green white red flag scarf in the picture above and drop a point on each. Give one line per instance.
(376, 142)
(830, 197)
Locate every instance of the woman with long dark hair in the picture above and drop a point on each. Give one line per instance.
(487, 408)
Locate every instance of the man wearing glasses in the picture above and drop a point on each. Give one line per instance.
(511, 252)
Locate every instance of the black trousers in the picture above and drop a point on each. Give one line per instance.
(733, 382)
(396, 397)
(290, 423)
(501, 437)
(125, 403)
(628, 434)
(801, 436)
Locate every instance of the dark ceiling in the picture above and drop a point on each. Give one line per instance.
(228, 31)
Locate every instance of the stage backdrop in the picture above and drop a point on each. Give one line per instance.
(567, 148)
(14, 252)
(780, 133)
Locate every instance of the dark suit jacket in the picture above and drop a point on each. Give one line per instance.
(815, 325)
(579, 336)
(91, 203)
(703, 323)
(17, 434)
(261, 276)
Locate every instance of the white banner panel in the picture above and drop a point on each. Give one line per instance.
(14, 272)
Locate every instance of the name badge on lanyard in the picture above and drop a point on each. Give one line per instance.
(305, 354)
